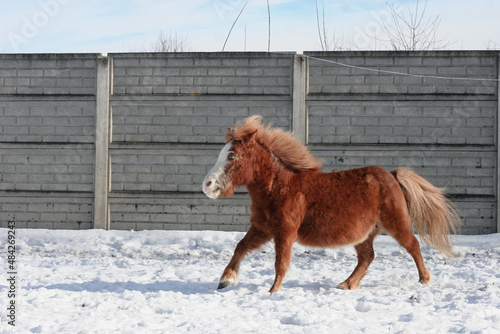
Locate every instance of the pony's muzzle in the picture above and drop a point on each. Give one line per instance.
(211, 188)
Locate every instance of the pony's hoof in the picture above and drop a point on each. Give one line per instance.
(225, 283)
(346, 286)
(343, 286)
(274, 289)
(426, 280)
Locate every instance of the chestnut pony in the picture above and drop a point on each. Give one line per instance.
(292, 200)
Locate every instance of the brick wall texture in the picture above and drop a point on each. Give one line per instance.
(169, 113)
(47, 126)
(444, 129)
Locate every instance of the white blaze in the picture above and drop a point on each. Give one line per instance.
(212, 182)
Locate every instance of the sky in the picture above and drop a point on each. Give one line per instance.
(98, 26)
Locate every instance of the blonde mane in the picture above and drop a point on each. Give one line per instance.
(281, 143)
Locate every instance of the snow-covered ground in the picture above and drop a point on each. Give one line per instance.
(164, 282)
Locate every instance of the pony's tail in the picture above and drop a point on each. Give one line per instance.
(433, 216)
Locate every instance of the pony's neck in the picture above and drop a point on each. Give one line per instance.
(269, 173)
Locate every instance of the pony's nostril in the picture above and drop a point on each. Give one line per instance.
(208, 184)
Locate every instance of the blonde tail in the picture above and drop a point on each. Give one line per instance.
(433, 216)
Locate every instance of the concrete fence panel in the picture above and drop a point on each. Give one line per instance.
(47, 139)
(435, 112)
(124, 141)
(169, 115)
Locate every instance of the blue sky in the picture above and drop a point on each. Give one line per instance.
(133, 25)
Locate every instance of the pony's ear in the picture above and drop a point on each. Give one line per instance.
(249, 138)
(229, 135)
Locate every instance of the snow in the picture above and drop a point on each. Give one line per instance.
(98, 281)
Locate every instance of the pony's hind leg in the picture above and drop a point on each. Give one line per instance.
(252, 240)
(365, 257)
(400, 229)
(410, 243)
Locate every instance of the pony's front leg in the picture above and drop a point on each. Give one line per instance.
(283, 246)
(252, 240)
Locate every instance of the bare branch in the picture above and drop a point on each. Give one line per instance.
(269, 27)
(169, 43)
(230, 30)
(319, 30)
(245, 40)
(325, 36)
(327, 43)
(413, 30)
(492, 45)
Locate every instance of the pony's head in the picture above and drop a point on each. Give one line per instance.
(247, 147)
(233, 167)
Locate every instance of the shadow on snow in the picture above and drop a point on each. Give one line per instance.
(186, 288)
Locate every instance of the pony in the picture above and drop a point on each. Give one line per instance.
(293, 200)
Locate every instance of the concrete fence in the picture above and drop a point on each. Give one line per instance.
(124, 141)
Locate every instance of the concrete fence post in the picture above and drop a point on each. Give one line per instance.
(498, 145)
(299, 110)
(101, 174)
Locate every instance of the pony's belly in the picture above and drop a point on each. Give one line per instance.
(326, 241)
(334, 234)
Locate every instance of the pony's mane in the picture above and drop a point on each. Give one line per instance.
(281, 143)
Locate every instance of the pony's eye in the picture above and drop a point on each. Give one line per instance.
(231, 157)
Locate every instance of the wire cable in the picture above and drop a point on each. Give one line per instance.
(403, 74)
